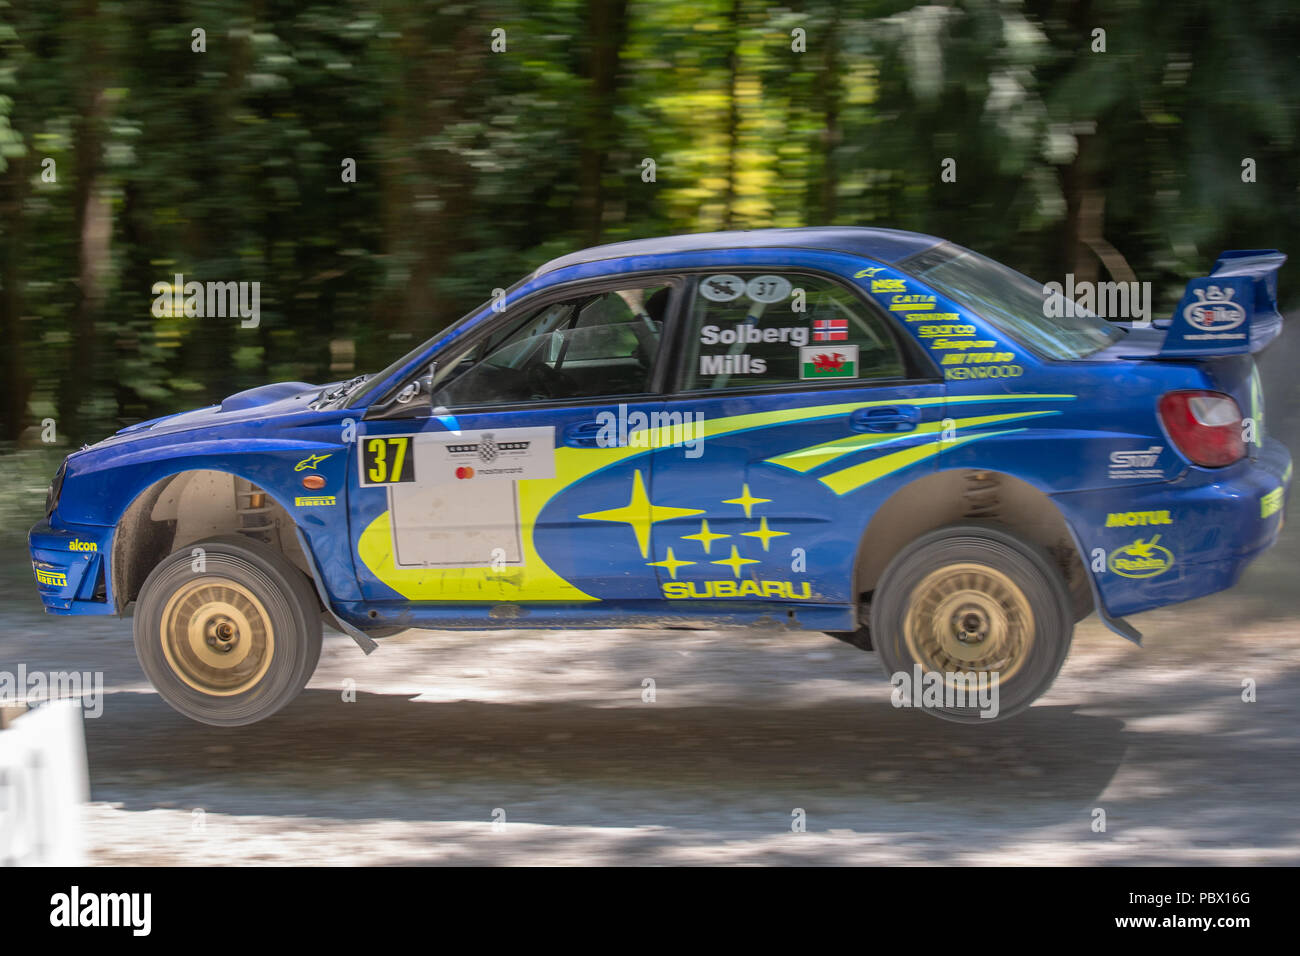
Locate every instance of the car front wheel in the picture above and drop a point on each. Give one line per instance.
(974, 607)
(227, 630)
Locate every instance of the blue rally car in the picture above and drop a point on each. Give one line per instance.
(872, 433)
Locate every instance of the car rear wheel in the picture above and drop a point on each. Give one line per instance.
(228, 636)
(975, 606)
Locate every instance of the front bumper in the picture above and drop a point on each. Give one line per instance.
(70, 566)
(1152, 545)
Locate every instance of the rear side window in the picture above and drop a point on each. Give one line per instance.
(1010, 302)
(766, 328)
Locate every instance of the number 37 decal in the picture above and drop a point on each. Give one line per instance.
(386, 461)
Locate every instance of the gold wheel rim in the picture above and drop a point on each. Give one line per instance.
(967, 618)
(217, 636)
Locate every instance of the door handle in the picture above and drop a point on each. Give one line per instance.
(891, 418)
(583, 434)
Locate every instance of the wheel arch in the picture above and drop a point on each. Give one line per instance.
(953, 495)
(190, 505)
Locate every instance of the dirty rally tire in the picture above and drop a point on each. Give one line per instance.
(234, 642)
(974, 598)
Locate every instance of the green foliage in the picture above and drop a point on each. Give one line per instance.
(473, 166)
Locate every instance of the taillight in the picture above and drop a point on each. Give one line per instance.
(1206, 426)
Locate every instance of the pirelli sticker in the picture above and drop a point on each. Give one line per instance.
(52, 579)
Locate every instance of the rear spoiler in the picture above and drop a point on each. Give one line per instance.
(1231, 311)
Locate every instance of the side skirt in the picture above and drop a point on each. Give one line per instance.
(697, 615)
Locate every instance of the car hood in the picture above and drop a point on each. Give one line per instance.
(263, 402)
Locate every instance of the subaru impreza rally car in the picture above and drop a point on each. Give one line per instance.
(872, 433)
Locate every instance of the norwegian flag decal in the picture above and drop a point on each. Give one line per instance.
(830, 330)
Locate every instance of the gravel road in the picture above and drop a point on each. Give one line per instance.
(409, 756)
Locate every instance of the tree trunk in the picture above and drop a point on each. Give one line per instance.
(1077, 184)
(427, 194)
(17, 383)
(607, 28)
(829, 93)
(93, 225)
(733, 115)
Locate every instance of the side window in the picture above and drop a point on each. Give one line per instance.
(594, 345)
(751, 328)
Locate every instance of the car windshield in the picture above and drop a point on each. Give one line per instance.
(373, 382)
(1012, 303)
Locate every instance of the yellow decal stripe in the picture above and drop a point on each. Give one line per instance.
(785, 416)
(534, 580)
(852, 478)
(806, 459)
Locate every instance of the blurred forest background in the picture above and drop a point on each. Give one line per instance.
(474, 165)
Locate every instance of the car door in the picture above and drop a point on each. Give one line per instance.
(814, 409)
(522, 487)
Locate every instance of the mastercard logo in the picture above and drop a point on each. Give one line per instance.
(465, 472)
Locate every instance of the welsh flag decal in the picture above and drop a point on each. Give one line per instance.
(828, 361)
